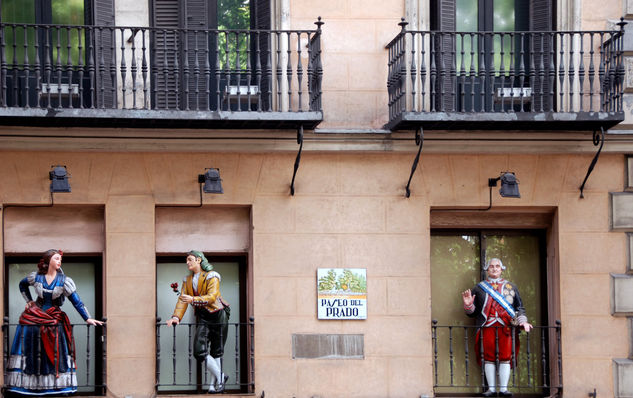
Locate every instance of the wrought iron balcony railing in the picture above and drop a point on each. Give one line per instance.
(160, 77)
(533, 80)
(536, 366)
(90, 355)
(178, 371)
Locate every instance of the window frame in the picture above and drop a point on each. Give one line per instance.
(508, 219)
(246, 368)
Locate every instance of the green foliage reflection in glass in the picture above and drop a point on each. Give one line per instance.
(467, 15)
(64, 12)
(347, 281)
(233, 14)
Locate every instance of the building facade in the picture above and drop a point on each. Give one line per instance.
(348, 135)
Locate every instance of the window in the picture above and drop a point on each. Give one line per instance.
(177, 368)
(220, 49)
(45, 58)
(482, 55)
(85, 272)
(456, 265)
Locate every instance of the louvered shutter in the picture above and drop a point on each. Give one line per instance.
(196, 21)
(444, 58)
(104, 55)
(541, 20)
(261, 9)
(165, 55)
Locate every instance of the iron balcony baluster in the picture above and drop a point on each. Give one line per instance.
(133, 66)
(528, 377)
(123, 69)
(144, 70)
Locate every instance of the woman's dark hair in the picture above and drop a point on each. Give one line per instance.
(42, 266)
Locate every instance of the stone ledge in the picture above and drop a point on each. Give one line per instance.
(621, 204)
(621, 295)
(623, 378)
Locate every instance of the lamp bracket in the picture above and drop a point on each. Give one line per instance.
(597, 139)
(419, 141)
(297, 160)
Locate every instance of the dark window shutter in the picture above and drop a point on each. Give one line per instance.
(165, 76)
(444, 50)
(103, 14)
(262, 17)
(541, 20)
(196, 18)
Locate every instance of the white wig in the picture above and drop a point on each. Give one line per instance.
(491, 260)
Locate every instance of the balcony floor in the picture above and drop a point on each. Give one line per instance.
(146, 118)
(575, 121)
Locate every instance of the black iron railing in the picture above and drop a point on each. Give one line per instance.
(536, 366)
(90, 354)
(178, 371)
(141, 68)
(578, 72)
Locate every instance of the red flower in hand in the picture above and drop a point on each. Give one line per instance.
(174, 287)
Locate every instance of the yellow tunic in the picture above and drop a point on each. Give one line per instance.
(207, 297)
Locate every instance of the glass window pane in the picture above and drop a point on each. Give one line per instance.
(234, 14)
(18, 11)
(503, 15)
(466, 13)
(454, 268)
(503, 21)
(67, 12)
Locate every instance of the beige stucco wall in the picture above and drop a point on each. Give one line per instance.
(349, 211)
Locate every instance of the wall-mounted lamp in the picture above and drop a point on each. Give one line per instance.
(211, 180)
(509, 185)
(59, 179)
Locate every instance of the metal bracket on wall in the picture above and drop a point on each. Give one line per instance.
(298, 159)
(419, 140)
(597, 139)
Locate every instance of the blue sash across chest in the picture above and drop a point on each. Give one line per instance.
(498, 298)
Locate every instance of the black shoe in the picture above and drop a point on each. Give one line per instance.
(489, 394)
(505, 393)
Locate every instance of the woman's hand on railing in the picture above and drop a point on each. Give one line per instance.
(93, 322)
(172, 321)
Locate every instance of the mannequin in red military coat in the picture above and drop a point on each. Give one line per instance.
(496, 306)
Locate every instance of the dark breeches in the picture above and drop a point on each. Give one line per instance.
(211, 334)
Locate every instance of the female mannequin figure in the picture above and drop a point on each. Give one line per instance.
(42, 358)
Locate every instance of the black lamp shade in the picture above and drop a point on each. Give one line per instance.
(509, 186)
(59, 179)
(212, 181)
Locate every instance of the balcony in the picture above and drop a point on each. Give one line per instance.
(177, 371)
(90, 355)
(536, 366)
(505, 80)
(53, 75)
